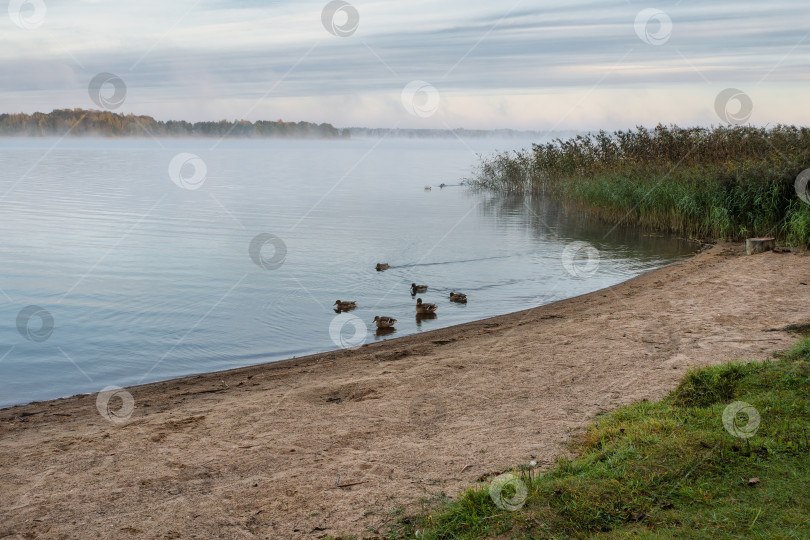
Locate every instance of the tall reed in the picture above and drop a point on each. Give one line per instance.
(724, 182)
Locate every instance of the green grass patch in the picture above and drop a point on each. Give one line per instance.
(726, 182)
(670, 469)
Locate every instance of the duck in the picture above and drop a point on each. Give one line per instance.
(384, 322)
(382, 266)
(428, 188)
(458, 297)
(345, 306)
(425, 308)
(441, 186)
(418, 288)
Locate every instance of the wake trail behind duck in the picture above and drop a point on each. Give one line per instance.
(441, 263)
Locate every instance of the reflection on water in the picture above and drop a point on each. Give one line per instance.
(147, 281)
(385, 332)
(549, 221)
(424, 317)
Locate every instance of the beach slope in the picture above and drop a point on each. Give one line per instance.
(334, 443)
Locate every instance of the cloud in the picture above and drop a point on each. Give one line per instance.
(221, 58)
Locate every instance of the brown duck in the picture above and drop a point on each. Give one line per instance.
(425, 308)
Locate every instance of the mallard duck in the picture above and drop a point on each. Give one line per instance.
(425, 308)
(458, 297)
(345, 306)
(382, 266)
(418, 288)
(384, 322)
(427, 188)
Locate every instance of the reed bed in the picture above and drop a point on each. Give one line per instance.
(724, 182)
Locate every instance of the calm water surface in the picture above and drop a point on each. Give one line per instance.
(147, 281)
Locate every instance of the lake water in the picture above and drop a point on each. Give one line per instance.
(139, 278)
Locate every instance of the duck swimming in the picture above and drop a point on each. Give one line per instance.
(425, 308)
(418, 288)
(458, 297)
(384, 322)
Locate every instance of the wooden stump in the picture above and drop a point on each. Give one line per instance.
(759, 245)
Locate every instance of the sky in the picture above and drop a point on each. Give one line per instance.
(531, 64)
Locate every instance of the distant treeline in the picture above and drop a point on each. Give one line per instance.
(78, 122)
(725, 182)
(458, 132)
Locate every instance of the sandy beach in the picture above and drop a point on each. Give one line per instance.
(336, 443)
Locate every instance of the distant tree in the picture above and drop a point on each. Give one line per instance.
(79, 122)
